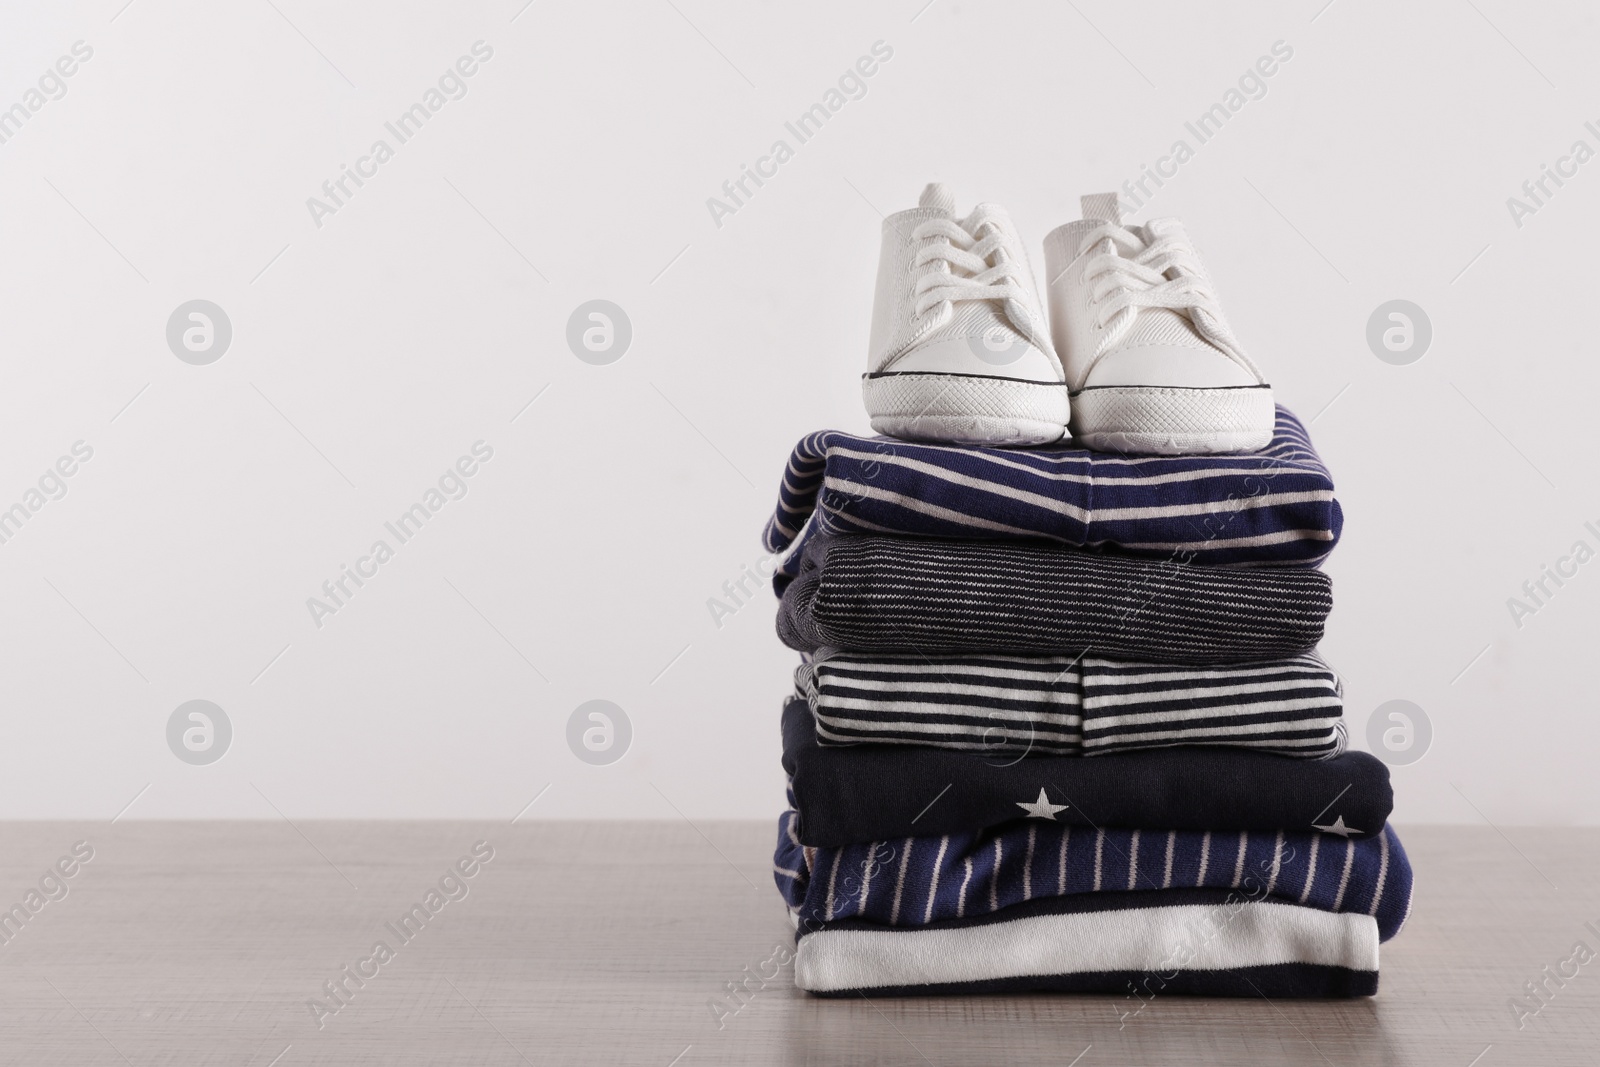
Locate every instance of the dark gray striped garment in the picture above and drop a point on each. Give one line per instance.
(1055, 705)
(893, 594)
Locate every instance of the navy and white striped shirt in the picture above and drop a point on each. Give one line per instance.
(913, 881)
(1274, 507)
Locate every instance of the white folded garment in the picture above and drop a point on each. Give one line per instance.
(1270, 948)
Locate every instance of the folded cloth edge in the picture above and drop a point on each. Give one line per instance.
(1142, 940)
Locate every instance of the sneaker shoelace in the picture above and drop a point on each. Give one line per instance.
(1131, 274)
(969, 273)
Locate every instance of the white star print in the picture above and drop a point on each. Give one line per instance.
(1042, 808)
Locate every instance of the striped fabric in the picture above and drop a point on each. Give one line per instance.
(1059, 706)
(907, 595)
(1273, 507)
(914, 881)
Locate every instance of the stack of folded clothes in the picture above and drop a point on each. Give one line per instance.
(1061, 724)
(1060, 721)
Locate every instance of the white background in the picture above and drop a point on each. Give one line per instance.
(376, 349)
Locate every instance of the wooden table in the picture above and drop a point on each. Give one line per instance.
(610, 943)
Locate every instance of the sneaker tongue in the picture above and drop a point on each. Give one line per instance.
(1153, 326)
(938, 196)
(1101, 207)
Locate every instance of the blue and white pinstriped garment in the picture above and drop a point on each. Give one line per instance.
(914, 881)
(1270, 508)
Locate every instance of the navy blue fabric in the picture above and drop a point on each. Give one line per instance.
(871, 792)
(913, 881)
(1275, 507)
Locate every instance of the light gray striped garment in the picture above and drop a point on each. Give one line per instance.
(1058, 705)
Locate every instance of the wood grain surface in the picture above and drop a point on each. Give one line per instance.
(613, 943)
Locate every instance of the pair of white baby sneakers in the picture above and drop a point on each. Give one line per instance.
(1136, 356)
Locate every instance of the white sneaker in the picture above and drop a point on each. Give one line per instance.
(1151, 362)
(960, 352)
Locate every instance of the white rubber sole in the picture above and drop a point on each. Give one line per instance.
(963, 409)
(1150, 420)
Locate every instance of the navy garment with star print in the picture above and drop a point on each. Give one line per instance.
(851, 793)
